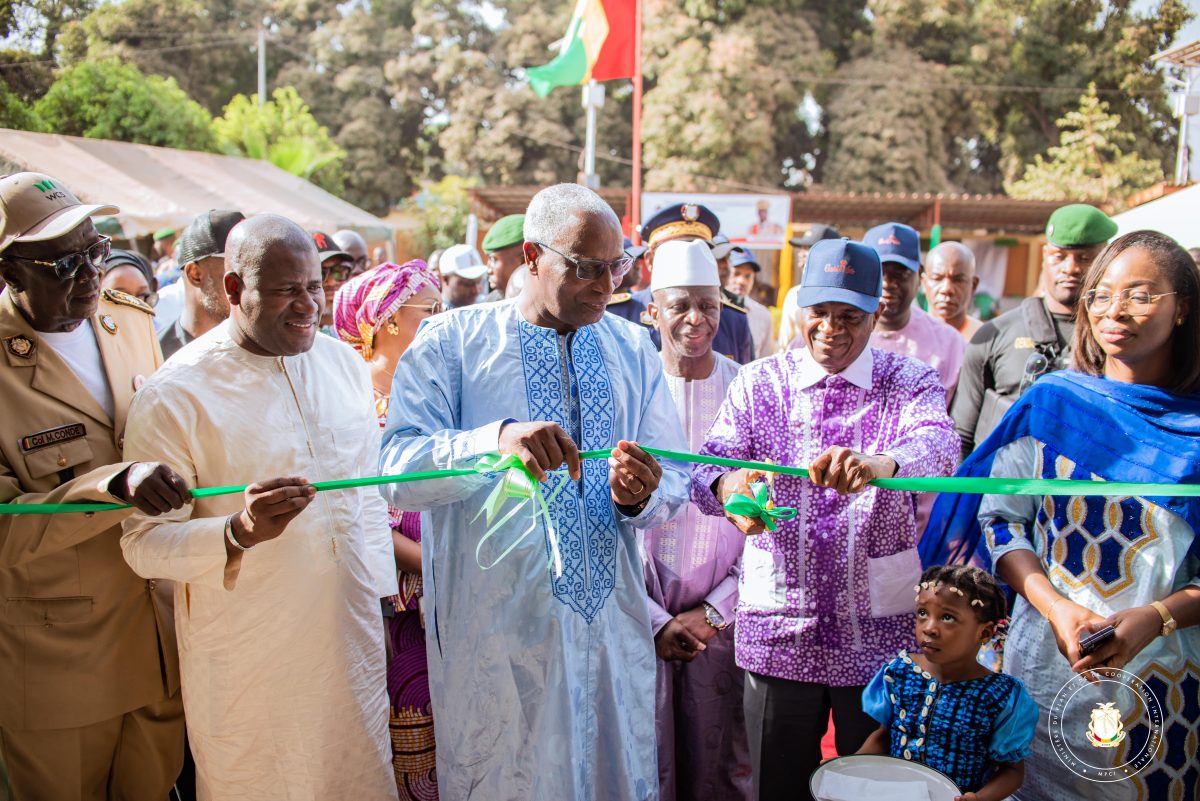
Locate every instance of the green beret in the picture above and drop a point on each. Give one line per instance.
(507, 231)
(163, 233)
(1078, 226)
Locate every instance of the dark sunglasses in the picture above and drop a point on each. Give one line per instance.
(68, 266)
(591, 269)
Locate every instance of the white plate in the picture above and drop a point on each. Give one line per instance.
(866, 776)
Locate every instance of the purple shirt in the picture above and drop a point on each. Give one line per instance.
(828, 596)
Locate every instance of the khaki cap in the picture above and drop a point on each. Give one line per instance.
(35, 207)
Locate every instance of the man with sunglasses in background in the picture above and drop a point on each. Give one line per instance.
(1009, 353)
(541, 666)
(352, 243)
(336, 267)
(89, 705)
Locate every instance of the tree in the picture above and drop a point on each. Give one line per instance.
(207, 46)
(725, 80)
(1094, 160)
(283, 132)
(883, 139)
(442, 208)
(14, 113)
(111, 100)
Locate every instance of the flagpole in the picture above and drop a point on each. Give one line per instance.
(636, 216)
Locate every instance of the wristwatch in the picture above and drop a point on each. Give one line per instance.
(714, 618)
(1169, 623)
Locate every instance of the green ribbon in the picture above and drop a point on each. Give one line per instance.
(965, 485)
(519, 484)
(760, 506)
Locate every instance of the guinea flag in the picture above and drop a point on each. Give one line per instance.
(598, 47)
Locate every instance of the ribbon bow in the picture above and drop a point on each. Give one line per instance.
(759, 506)
(517, 483)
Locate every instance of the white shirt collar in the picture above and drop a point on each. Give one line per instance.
(858, 373)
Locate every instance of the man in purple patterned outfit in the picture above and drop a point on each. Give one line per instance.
(827, 597)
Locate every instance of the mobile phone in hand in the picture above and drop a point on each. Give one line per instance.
(1091, 642)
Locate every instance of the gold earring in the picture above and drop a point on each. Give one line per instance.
(392, 328)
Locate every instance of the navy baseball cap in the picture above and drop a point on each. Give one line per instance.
(636, 251)
(741, 255)
(841, 271)
(896, 242)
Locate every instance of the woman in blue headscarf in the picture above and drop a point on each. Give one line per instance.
(1129, 411)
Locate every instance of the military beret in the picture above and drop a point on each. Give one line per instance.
(507, 231)
(677, 221)
(1078, 226)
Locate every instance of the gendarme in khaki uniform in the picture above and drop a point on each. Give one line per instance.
(89, 701)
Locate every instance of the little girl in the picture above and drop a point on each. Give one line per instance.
(940, 707)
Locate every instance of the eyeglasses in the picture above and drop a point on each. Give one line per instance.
(68, 266)
(1134, 302)
(591, 269)
(340, 273)
(432, 308)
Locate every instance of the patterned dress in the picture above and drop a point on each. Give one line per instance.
(1106, 554)
(962, 728)
(414, 758)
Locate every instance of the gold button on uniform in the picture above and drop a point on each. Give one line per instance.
(62, 461)
(151, 583)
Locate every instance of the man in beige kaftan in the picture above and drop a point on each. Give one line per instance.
(277, 593)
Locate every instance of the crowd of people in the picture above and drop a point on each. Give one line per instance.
(540, 623)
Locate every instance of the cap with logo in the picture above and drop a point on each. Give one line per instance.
(841, 271)
(744, 257)
(327, 248)
(679, 263)
(206, 235)
(813, 235)
(678, 221)
(1079, 226)
(896, 243)
(507, 231)
(35, 207)
(463, 261)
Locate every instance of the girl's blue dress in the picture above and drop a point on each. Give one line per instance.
(962, 728)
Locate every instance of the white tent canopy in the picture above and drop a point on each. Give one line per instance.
(1177, 215)
(157, 187)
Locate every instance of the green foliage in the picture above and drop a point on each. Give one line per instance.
(719, 95)
(111, 100)
(1094, 160)
(14, 113)
(884, 140)
(283, 132)
(441, 209)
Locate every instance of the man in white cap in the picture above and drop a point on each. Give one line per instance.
(462, 273)
(89, 703)
(692, 563)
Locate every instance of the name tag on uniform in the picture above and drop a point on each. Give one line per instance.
(52, 436)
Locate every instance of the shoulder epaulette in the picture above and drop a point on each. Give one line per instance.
(123, 299)
(732, 305)
(619, 297)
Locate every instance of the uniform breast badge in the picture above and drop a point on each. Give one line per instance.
(108, 323)
(19, 346)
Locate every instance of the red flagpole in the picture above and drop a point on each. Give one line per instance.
(637, 122)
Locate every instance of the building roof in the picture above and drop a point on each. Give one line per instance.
(158, 187)
(985, 213)
(493, 202)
